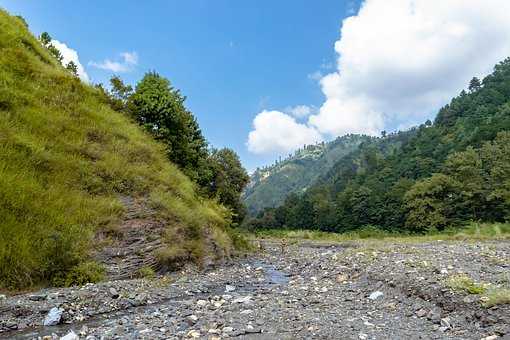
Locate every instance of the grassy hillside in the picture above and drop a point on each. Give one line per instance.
(271, 185)
(66, 159)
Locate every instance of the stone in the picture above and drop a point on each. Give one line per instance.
(38, 297)
(434, 316)
(490, 337)
(445, 322)
(54, 317)
(244, 299)
(193, 334)
(201, 303)
(3, 297)
(227, 330)
(113, 293)
(375, 295)
(229, 288)
(70, 336)
(421, 313)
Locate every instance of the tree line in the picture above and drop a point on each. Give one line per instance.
(433, 176)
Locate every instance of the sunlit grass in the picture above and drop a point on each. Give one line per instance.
(65, 158)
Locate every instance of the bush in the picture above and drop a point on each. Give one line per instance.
(86, 272)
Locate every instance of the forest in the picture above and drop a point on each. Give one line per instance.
(440, 174)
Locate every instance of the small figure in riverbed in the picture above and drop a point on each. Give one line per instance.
(283, 245)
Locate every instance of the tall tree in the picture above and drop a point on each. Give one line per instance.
(159, 107)
(229, 179)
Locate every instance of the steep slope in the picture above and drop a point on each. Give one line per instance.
(80, 182)
(271, 185)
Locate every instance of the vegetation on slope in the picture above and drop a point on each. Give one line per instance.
(443, 174)
(270, 186)
(65, 158)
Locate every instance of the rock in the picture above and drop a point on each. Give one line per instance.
(54, 317)
(445, 322)
(70, 336)
(201, 303)
(341, 278)
(490, 337)
(421, 313)
(227, 330)
(3, 297)
(434, 316)
(192, 319)
(362, 336)
(245, 299)
(229, 288)
(38, 297)
(193, 334)
(375, 295)
(113, 293)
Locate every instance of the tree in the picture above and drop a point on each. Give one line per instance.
(157, 106)
(73, 68)
(55, 52)
(45, 38)
(119, 94)
(229, 179)
(474, 84)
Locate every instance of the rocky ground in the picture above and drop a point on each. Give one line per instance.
(304, 290)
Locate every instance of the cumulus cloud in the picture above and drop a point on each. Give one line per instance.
(277, 132)
(68, 54)
(399, 61)
(128, 61)
(299, 111)
(402, 59)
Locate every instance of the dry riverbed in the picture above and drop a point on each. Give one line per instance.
(434, 290)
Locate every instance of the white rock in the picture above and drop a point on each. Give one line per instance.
(444, 271)
(375, 295)
(490, 337)
(229, 288)
(70, 336)
(3, 297)
(362, 336)
(227, 329)
(201, 303)
(244, 299)
(246, 311)
(54, 316)
(193, 334)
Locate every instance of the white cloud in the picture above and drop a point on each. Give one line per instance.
(299, 111)
(128, 62)
(277, 132)
(68, 54)
(400, 60)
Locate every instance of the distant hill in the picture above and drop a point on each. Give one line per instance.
(436, 175)
(270, 186)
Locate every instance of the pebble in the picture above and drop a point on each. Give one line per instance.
(375, 295)
(70, 336)
(53, 317)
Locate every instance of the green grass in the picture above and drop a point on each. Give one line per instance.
(465, 284)
(473, 231)
(65, 157)
(497, 296)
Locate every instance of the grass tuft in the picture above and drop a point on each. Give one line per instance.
(465, 284)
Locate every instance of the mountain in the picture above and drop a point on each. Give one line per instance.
(270, 186)
(439, 174)
(84, 191)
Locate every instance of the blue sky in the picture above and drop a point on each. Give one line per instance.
(265, 77)
(230, 58)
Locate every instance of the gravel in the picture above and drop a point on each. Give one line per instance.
(310, 291)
